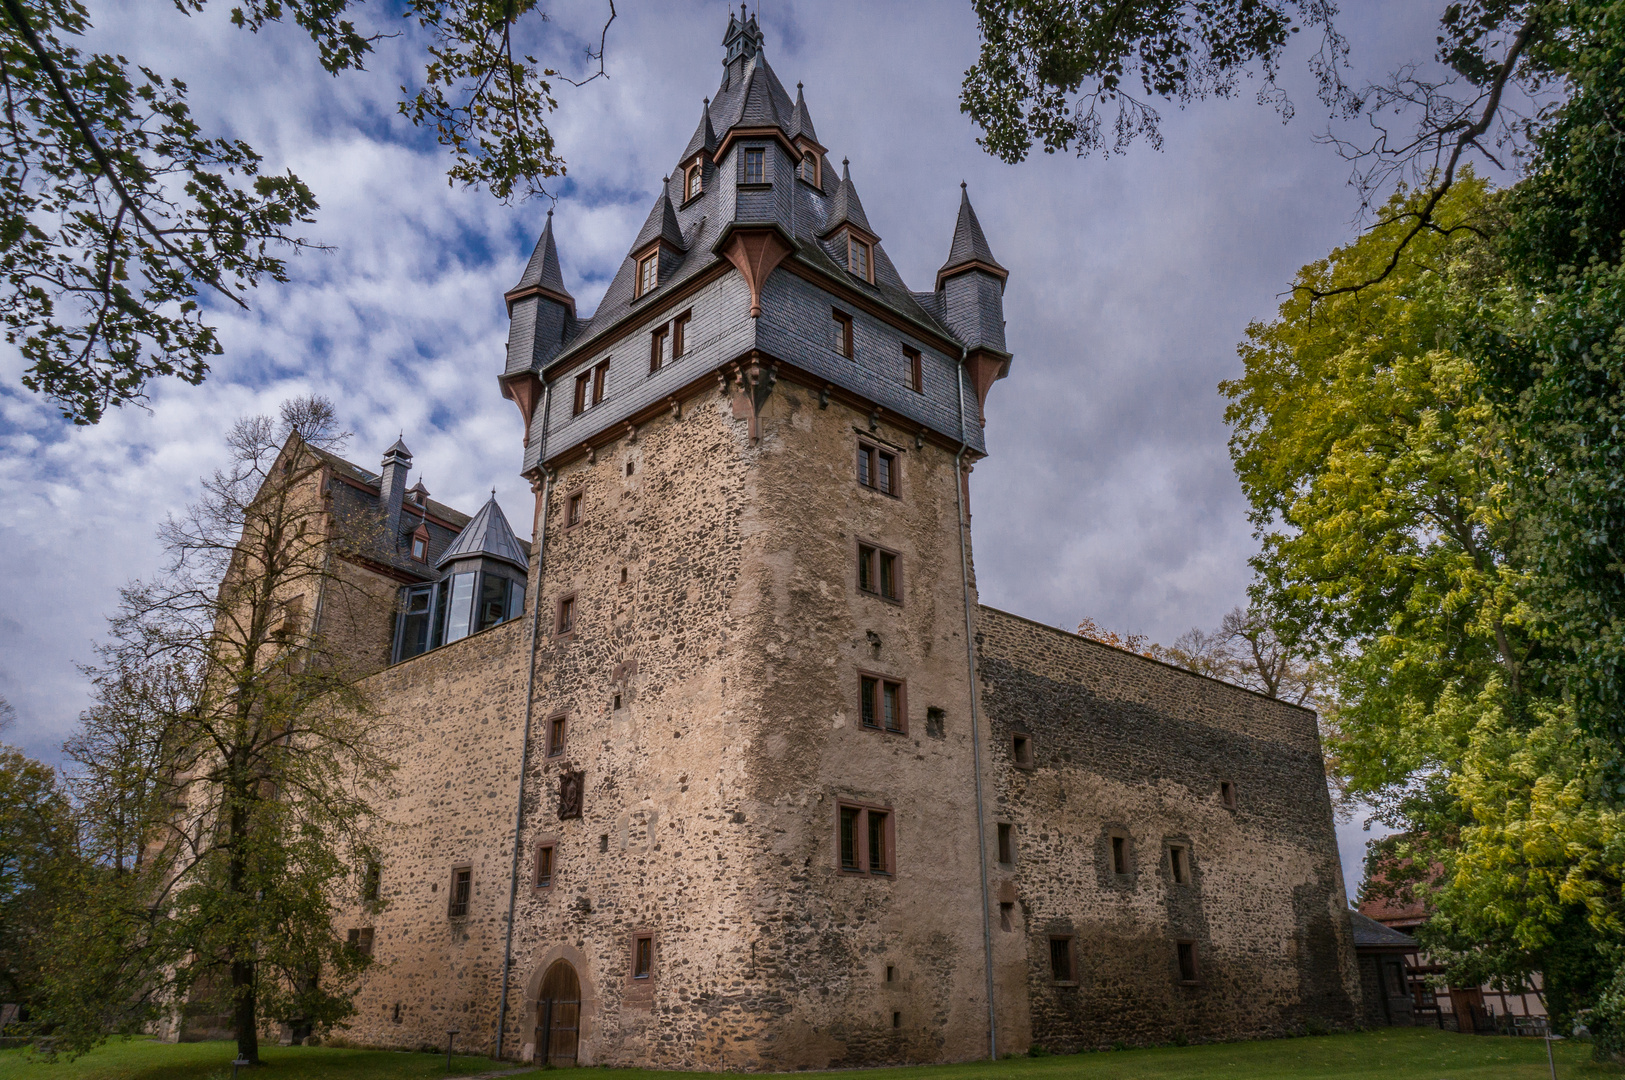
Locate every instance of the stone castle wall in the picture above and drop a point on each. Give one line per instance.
(1126, 746)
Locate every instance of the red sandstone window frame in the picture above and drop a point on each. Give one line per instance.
(641, 957)
(845, 340)
(558, 734)
(458, 904)
(1188, 962)
(657, 347)
(869, 457)
(873, 690)
(872, 571)
(545, 867)
(1063, 951)
(856, 859)
(679, 333)
(1021, 750)
(566, 614)
(916, 369)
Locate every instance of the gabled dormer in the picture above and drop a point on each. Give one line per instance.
(659, 248)
(847, 235)
(696, 160)
(810, 162)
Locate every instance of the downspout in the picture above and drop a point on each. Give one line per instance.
(975, 738)
(524, 752)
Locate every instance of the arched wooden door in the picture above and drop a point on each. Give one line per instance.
(558, 1016)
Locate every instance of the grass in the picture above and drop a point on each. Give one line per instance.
(1392, 1054)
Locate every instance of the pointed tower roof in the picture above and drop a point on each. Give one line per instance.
(705, 136)
(800, 120)
(488, 535)
(844, 207)
(398, 450)
(969, 245)
(542, 272)
(757, 107)
(662, 223)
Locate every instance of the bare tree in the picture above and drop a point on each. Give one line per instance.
(1247, 651)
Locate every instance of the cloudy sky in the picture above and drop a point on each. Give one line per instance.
(1108, 493)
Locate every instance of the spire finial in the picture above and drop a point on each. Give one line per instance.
(962, 185)
(798, 86)
(549, 211)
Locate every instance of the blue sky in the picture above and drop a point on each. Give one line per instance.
(1108, 492)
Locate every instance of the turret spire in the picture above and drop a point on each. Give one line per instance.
(969, 247)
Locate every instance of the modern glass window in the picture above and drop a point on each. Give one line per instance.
(755, 165)
(501, 599)
(414, 631)
(460, 615)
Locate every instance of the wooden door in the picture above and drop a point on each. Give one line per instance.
(558, 1016)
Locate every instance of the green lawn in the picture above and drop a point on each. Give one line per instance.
(1396, 1054)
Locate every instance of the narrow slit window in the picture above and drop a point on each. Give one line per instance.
(1187, 961)
(1119, 855)
(914, 370)
(462, 888)
(1021, 749)
(1060, 959)
(544, 866)
(1007, 843)
(657, 349)
(371, 879)
(891, 973)
(679, 335)
(1178, 865)
(1007, 913)
(556, 730)
(755, 165)
(1227, 794)
(643, 956)
(843, 333)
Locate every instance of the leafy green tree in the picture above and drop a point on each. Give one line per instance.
(37, 857)
(120, 216)
(226, 767)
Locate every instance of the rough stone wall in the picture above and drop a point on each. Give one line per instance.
(1127, 746)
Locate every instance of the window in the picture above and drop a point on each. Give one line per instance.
(877, 468)
(1120, 855)
(599, 374)
(572, 510)
(755, 165)
(1021, 751)
(657, 349)
(648, 273)
(544, 866)
(360, 941)
(884, 704)
(460, 617)
(615, 703)
(462, 887)
(1007, 915)
(555, 735)
(1007, 843)
(582, 382)
(501, 599)
(371, 879)
(843, 333)
(865, 840)
(643, 956)
(693, 180)
(878, 572)
(896, 1019)
(914, 376)
(891, 973)
(858, 258)
(809, 167)
(417, 631)
(420, 545)
(679, 334)
(564, 622)
(1227, 794)
(1188, 971)
(935, 721)
(1060, 958)
(1179, 864)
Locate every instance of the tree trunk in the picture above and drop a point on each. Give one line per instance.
(242, 964)
(242, 988)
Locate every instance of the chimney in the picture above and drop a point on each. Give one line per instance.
(392, 486)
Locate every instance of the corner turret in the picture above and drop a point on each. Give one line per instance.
(541, 318)
(971, 290)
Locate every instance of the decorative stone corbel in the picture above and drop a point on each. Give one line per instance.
(676, 408)
(755, 383)
(874, 418)
(823, 395)
(631, 432)
(919, 439)
(592, 454)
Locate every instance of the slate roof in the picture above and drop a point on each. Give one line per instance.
(350, 502)
(662, 223)
(705, 136)
(969, 244)
(801, 120)
(1371, 934)
(543, 268)
(489, 535)
(845, 208)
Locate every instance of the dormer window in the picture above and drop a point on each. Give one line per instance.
(420, 544)
(809, 167)
(860, 258)
(755, 165)
(648, 272)
(693, 181)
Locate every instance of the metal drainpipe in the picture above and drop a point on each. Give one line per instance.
(524, 752)
(975, 738)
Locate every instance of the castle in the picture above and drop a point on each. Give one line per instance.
(728, 769)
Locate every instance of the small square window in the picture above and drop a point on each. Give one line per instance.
(544, 866)
(1227, 794)
(572, 510)
(657, 349)
(462, 889)
(1021, 751)
(1060, 958)
(648, 273)
(1188, 970)
(1179, 864)
(1007, 844)
(420, 548)
(843, 333)
(360, 941)
(914, 370)
(755, 165)
(643, 956)
(371, 879)
(877, 468)
(679, 334)
(557, 728)
(565, 621)
(864, 840)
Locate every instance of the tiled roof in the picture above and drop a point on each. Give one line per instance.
(846, 208)
(543, 268)
(662, 223)
(705, 136)
(489, 535)
(969, 244)
(801, 120)
(1371, 934)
